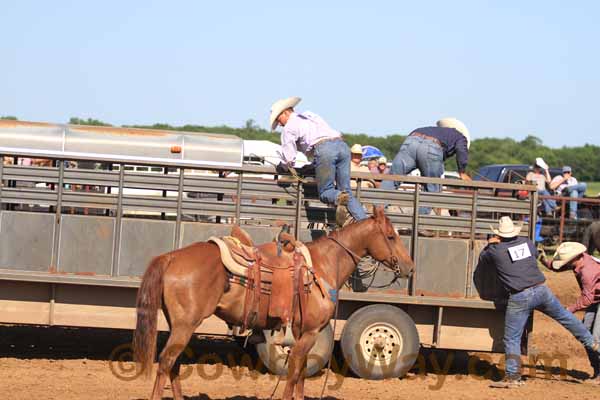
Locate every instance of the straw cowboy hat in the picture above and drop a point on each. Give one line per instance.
(506, 228)
(566, 252)
(456, 124)
(356, 149)
(382, 160)
(280, 106)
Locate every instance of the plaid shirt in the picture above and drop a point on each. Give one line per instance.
(588, 277)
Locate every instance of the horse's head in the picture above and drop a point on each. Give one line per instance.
(385, 245)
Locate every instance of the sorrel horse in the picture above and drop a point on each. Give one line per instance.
(191, 283)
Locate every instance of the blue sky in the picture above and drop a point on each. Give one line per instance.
(506, 68)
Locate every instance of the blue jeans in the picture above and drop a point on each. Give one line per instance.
(574, 191)
(332, 167)
(548, 204)
(591, 320)
(422, 153)
(520, 306)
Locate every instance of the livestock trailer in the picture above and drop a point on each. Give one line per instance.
(74, 242)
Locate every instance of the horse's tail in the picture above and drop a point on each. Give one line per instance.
(149, 300)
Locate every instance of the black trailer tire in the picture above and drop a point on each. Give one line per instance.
(274, 356)
(380, 341)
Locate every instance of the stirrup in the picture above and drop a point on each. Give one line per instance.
(284, 336)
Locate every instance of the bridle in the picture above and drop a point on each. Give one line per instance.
(393, 264)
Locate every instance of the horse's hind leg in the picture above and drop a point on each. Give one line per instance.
(297, 365)
(178, 340)
(174, 374)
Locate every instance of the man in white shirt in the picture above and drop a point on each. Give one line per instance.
(567, 185)
(540, 176)
(310, 134)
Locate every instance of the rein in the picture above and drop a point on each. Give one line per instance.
(355, 257)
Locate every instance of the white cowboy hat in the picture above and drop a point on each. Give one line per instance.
(566, 252)
(382, 160)
(356, 149)
(506, 228)
(539, 161)
(280, 106)
(456, 124)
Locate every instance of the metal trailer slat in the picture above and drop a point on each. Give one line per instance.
(30, 174)
(132, 282)
(28, 196)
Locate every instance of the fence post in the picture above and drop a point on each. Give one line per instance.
(471, 255)
(178, 217)
(1, 179)
(238, 195)
(116, 248)
(562, 220)
(414, 240)
(298, 210)
(57, 215)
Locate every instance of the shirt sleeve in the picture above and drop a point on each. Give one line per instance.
(555, 180)
(462, 154)
(529, 176)
(288, 145)
(588, 294)
(485, 257)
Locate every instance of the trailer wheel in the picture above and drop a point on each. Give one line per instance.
(380, 341)
(274, 357)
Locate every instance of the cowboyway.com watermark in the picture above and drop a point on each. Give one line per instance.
(211, 366)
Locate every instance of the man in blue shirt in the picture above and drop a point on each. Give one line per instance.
(427, 148)
(515, 260)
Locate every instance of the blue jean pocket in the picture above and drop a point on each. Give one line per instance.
(435, 153)
(518, 301)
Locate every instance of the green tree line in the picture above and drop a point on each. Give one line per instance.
(585, 160)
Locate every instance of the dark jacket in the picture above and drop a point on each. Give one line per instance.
(515, 261)
(453, 143)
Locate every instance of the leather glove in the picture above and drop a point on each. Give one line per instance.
(307, 170)
(282, 168)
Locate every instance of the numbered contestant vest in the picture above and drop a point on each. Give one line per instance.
(515, 262)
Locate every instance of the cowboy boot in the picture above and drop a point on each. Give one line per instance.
(341, 212)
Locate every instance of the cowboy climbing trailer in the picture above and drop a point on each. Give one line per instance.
(74, 242)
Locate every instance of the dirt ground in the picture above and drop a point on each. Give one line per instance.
(59, 363)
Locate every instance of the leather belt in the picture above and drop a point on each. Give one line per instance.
(528, 287)
(421, 135)
(329, 139)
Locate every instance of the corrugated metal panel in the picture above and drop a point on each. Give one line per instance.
(26, 240)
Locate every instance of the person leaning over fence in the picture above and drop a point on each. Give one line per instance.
(310, 134)
(515, 260)
(567, 185)
(427, 148)
(540, 177)
(572, 255)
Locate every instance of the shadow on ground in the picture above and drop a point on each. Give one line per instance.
(60, 343)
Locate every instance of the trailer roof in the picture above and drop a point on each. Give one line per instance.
(127, 144)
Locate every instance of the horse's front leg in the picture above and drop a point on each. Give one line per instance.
(297, 365)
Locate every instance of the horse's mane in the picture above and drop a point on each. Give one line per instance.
(346, 230)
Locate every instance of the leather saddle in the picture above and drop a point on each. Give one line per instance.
(276, 282)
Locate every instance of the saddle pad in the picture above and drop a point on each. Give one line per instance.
(226, 257)
(239, 266)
